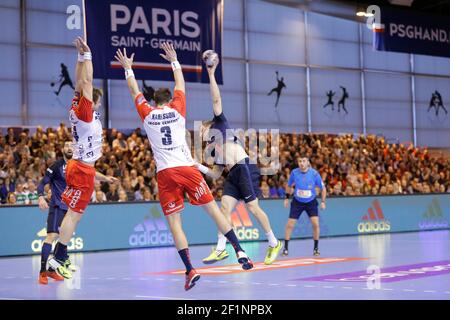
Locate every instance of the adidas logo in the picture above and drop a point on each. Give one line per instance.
(243, 224)
(76, 243)
(374, 220)
(151, 232)
(433, 218)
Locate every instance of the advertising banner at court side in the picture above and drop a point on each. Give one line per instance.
(141, 26)
(143, 225)
(411, 32)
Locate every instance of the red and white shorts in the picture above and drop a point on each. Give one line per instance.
(173, 182)
(80, 185)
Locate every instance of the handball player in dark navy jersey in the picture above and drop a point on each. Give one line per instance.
(242, 182)
(55, 175)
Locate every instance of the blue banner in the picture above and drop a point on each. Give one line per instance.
(141, 26)
(411, 32)
(140, 225)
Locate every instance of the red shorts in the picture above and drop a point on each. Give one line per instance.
(173, 182)
(80, 185)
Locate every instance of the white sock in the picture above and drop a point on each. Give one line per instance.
(271, 238)
(221, 242)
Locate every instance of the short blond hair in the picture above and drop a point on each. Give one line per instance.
(96, 94)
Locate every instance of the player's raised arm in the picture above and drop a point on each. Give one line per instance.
(171, 56)
(85, 73)
(214, 88)
(78, 66)
(127, 64)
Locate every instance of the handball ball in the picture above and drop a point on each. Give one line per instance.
(210, 58)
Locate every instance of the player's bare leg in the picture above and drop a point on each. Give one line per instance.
(68, 227)
(225, 227)
(274, 244)
(316, 234)
(219, 253)
(287, 234)
(181, 243)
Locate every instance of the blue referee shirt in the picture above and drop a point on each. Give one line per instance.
(305, 184)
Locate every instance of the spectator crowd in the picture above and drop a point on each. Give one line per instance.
(349, 165)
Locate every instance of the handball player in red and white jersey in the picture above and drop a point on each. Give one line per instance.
(165, 124)
(87, 148)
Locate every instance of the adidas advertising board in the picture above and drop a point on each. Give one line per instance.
(374, 220)
(140, 225)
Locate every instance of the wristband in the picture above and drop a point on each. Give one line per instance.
(203, 169)
(287, 196)
(80, 58)
(175, 65)
(129, 73)
(87, 56)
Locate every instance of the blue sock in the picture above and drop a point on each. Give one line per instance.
(46, 249)
(231, 236)
(60, 251)
(184, 254)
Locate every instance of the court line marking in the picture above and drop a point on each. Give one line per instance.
(164, 298)
(236, 282)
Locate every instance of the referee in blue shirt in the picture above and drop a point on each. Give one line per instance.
(305, 179)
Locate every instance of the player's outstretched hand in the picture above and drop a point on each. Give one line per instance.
(43, 205)
(170, 54)
(81, 45)
(126, 62)
(286, 203)
(323, 206)
(111, 179)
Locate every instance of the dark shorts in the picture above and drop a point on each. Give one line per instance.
(55, 218)
(298, 207)
(242, 182)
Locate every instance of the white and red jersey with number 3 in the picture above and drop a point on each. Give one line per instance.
(166, 131)
(86, 130)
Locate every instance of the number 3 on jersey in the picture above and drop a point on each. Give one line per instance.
(167, 136)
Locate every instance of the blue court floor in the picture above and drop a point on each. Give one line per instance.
(407, 266)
